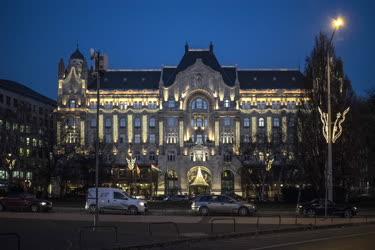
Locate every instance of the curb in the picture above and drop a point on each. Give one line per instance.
(244, 234)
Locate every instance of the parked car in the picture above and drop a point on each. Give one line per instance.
(112, 200)
(206, 204)
(317, 207)
(24, 202)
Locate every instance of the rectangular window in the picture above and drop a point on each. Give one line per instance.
(171, 156)
(226, 121)
(8, 100)
(276, 122)
(137, 122)
(93, 123)
(15, 102)
(137, 138)
(108, 138)
(171, 104)
(122, 122)
(108, 123)
(172, 121)
(152, 138)
(152, 122)
(1, 98)
(246, 122)
(122, 138)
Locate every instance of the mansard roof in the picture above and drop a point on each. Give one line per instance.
(208, 58)
(136, 79)
(22, 90)
(271, 79)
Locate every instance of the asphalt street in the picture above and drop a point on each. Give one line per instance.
(345, 238)
(58, 230)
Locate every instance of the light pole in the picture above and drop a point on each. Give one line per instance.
(331, 135)
(95, 55)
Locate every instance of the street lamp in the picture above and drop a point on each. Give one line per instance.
(331, 135)
(95, 55)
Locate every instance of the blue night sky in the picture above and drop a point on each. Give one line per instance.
(149, 34)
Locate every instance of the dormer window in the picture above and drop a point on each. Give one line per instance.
(274, 78)
(72, 104)
(226, 103)
(293, 78)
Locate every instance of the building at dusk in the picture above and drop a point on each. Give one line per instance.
(195, 127)
(27, 137)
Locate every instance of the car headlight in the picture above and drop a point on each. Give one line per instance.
(43, 203)
(141, 203)
(355, 208)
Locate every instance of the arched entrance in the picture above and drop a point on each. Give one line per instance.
(227, 182)
(199, 180)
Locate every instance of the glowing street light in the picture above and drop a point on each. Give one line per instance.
(331, 135)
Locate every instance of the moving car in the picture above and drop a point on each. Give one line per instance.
(317, 207)
(24, 202)
(206, 204)
(112, 200)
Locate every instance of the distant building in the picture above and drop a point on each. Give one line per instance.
(198, 124)
(26, 136)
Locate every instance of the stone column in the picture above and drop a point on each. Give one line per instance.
(82, 133)
(101, 127)
(254, 129)
(269, 129)
(130, 128)
(284, 127)
(115, 128)
(144, 128)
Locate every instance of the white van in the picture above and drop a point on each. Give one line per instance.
(114, 199)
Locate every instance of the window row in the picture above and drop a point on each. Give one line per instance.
(125, 105)
(123, 124)
(264, 105)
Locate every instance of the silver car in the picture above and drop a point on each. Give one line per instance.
(206, 204)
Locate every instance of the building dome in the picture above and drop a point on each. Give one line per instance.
(77, 55)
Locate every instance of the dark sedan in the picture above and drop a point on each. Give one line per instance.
(24, 202)
(317, 207)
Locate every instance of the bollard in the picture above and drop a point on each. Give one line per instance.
(315, 220)
(279, 221)
(257, 224)
(295, 222)
(331, 219)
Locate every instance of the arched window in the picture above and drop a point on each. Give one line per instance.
(226, 103)
(199, 103)
(72, 103)
(261, 122)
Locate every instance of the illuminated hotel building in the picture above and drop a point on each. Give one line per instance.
(190, 121)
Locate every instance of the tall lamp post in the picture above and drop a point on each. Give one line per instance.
(95, 55)
(331, 135)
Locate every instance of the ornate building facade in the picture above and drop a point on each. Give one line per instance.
(191, 123)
